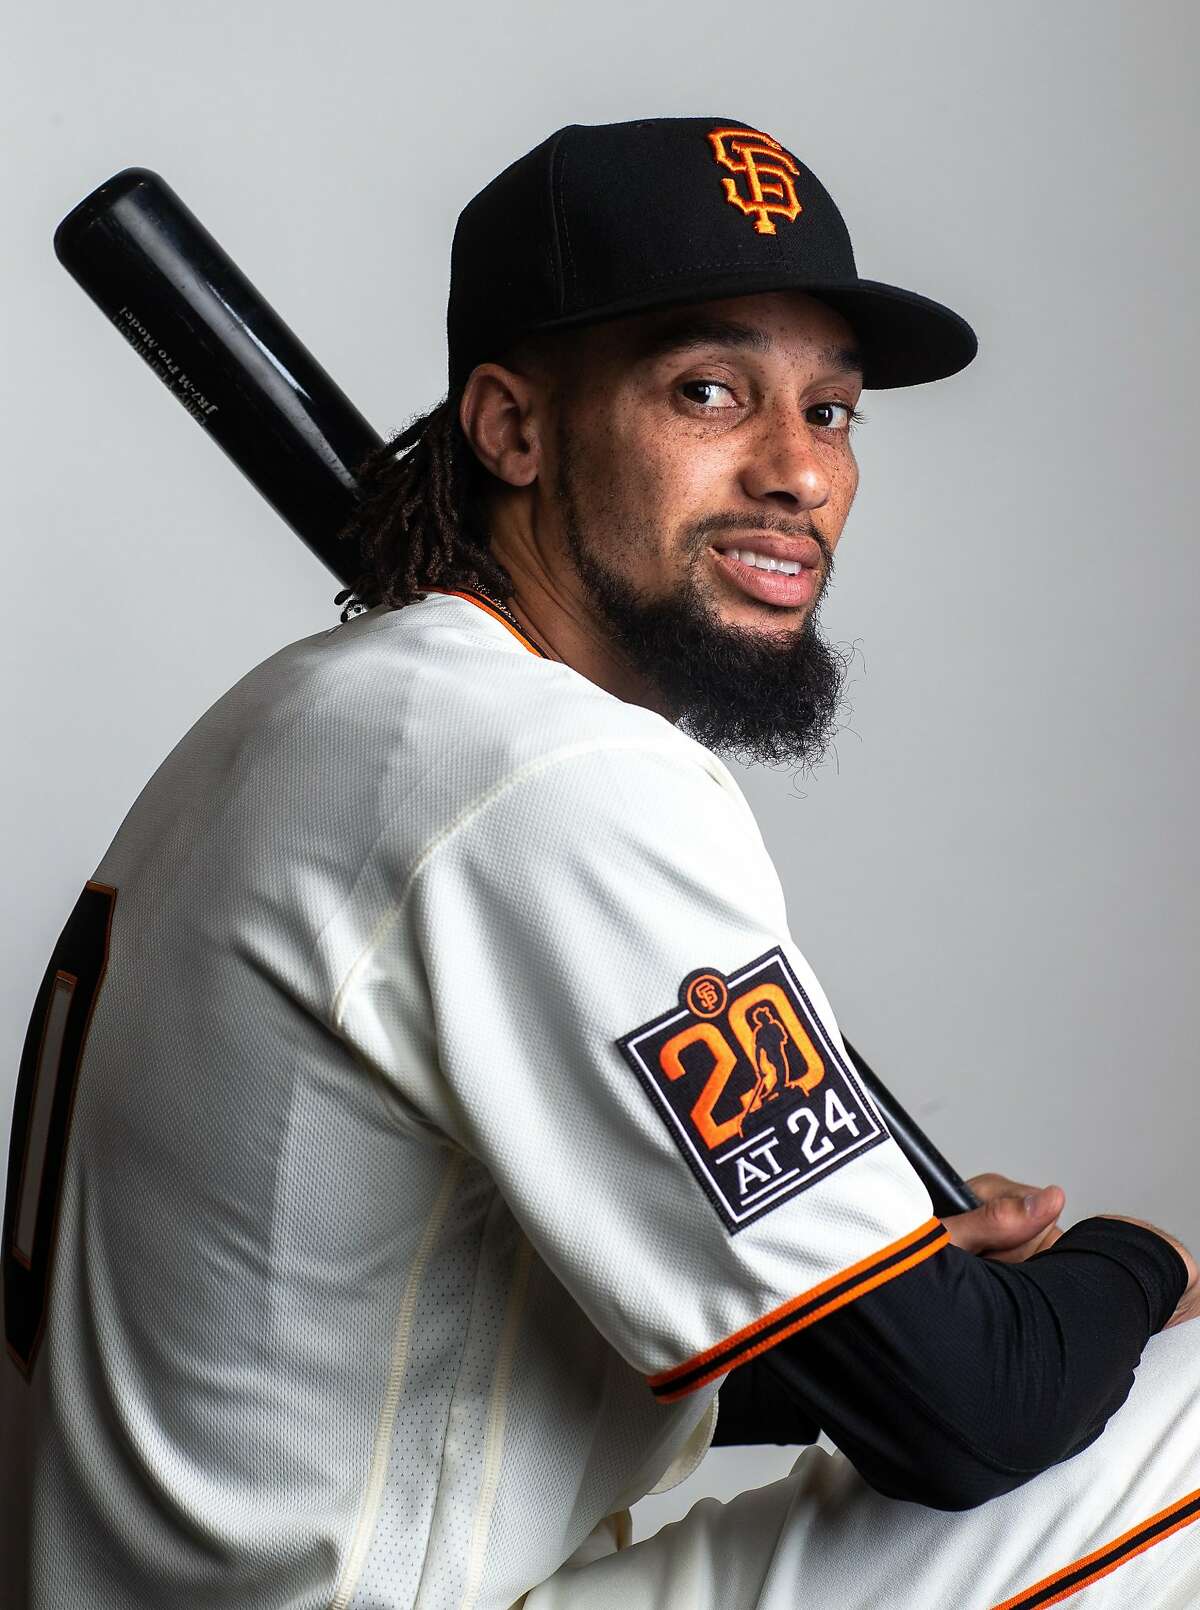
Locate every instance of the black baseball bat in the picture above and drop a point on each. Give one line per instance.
(217, 344)
(221, 350)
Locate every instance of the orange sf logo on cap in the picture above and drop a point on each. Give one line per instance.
(769, 175)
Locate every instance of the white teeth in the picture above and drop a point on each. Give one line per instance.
(762, 561)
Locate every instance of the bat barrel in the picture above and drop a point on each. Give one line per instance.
(186, 308)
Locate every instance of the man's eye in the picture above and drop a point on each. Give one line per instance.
(708, 393)
(838, 416)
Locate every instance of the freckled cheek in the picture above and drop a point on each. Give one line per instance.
(845, 487)
(663, 494)
(695, 483)
(662, 481)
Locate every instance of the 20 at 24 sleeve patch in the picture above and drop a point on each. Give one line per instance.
(751, 1088)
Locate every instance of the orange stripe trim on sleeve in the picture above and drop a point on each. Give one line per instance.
(1102, 1561)
(863, 1265)
(812, 1305)
(488, 609)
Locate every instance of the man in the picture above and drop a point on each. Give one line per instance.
(391, 1206)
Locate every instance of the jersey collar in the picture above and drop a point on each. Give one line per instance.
(494, 608)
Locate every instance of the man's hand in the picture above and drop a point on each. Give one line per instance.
(1014, 1222)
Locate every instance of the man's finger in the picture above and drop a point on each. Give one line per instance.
(1006, 1222)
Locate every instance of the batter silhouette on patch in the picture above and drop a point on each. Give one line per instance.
(772, 1064)
(759, 1099)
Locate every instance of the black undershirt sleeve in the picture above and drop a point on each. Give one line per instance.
(965, 1377)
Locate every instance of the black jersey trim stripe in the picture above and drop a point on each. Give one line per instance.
(1063, 1584)
(895, 1259)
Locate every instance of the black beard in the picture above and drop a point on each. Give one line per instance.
(732, 689)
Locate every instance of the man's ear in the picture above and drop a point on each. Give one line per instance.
(500, 419)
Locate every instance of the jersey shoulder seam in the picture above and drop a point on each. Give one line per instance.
(656, 748)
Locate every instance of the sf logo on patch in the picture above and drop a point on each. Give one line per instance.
(751, 1087)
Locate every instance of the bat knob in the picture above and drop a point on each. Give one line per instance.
(353, 606)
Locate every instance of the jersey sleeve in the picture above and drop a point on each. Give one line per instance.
(631, 1043)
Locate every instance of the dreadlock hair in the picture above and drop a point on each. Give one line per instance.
(422, 513)
(421, 520)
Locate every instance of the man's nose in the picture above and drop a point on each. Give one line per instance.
(784, 465)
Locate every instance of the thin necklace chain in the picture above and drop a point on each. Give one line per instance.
(503, 609)
(354, 606)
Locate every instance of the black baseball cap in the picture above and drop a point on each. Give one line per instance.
(607, 220)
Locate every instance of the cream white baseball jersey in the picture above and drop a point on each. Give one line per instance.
(424, 1107)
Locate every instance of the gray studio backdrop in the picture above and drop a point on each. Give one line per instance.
(995, 872)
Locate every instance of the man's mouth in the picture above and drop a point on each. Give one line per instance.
(784, 571)
(763, 561)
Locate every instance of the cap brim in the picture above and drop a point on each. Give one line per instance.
(906, 339)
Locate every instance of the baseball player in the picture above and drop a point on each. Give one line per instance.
(430, 1137)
